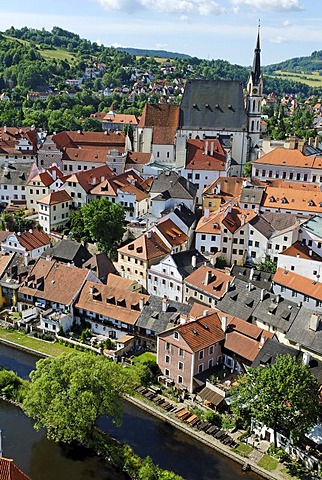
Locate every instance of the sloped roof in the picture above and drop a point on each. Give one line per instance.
(229, 186)
(199, 155)
(290, 158)
(297, 199)
(241, 300)
(76, 139)
(69, 251)
(10, 471)
(101, 265)
(298, 283)
(202, 333)
(55, 197)
(146, 247)
(172, 185)
(138, 158)
(173, 234)
(270, 223)
(33, 239)
(18, 174)
(301, 251)
(119, 304)
(300, 332)
(85, 155)
(213, 104)
(89, 178)
(58, 282)
(211, 280)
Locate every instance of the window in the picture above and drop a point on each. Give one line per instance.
(306, 298)
(210, 363)
(309, 243)
(285, 239)
(277, 247)
(225, 239)
(253, 254)
(224, 250)
(298, 176)
(257, 244)
(168, 346)
(176, 335)
(292, 268)
(167, 359)
(180, 365)
(294, 293)
(201, 355)
(250, 243)
(234, 251)
(180, 353)
(180, 379)
(251, 232)
(240, 252)
(283, 289)
(203, 237)
(197, 176)
(211, 349)
(200, 368)
(241, 241)
(213, 238)
(189, 176)
(166, 372)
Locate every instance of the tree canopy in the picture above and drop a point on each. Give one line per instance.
(283, 395)
(69, 393)
(101, 222)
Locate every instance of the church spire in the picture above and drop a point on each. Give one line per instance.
(256, 70)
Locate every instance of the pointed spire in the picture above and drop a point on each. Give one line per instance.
(256, 70)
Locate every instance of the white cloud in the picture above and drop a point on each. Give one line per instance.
(161, 46)
(287, 23)
(184, 7)
(270, 5)
(278, 39)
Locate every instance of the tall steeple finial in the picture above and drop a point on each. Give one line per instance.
(256, 70)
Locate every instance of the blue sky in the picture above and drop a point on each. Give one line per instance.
(204, 28)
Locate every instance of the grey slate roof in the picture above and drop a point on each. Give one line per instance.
(101, 266)
(67, 250)
(276, 311)
(272, 348)
(252, 195)
(183, 261)
(241, 299)
(300, 332)
(268, 223)
(171, 185)
(213, 105)
(185, 215)
(153, 318)
(17, 174)
(256, 277)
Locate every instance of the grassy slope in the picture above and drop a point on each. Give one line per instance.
(311, 79)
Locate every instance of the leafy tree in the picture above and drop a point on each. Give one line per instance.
(101, 222)
(267, 265)
(247, 169)
(283, 395)
(69, 393)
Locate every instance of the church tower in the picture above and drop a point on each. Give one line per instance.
(253, 102)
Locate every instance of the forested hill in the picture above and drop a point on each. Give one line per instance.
(153, 53)
(309, 64)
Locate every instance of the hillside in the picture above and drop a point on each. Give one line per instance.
(138, 52)
(310, 64)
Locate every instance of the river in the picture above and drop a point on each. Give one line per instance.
(147, 435)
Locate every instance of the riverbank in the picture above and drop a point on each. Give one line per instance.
(167, 418)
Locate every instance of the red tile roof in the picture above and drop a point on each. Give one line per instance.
(210, 280)
(290, 158)
(172, 233)
(198, 159)
(164, 118)
(202, 333)
(146, 247)
(89, 178)
(10, 471)
(300, 198)
(55, 197)
(88, 139)
(298, 283)
(34, 239)
(86, 155)
(301, 251)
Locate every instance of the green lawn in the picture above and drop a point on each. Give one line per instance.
(145, 357)
(269, 463)
(311, 79)
(243, 449)
(58, 54)
(52, 349)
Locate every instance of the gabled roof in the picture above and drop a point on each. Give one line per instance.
(211, 280)
(43, 177)
(257, 277)
(301, 334)
(205, 155)
(173, 234)
(270, 350)
(314, 225)
(226, 186)
(252, 195)
(33, 239)
(77, 139)
(10, 471)
(101, 265)
(115, 303)
(170, 184)
(290, 158)
(164, 118)
(89, 178)
(210, 223)
(138, 158)
(54, 282)
(69, 251)
(18, 174)
(290, 198)
(276, 311)
(241, 300)
(236, 218)
(85, 155)
(53, 198)
(270, 224)
(301, 251)
(213, 104)
(298, 283)
(202, 333)
(124, 118)
(155, 319)
(146, 247)
(183, 261)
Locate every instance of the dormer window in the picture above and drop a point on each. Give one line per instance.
(176, 335)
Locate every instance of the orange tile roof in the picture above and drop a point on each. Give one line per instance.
(301, 251)
(198, 310)
(300, 199)
(230, 216)
(288, 157)
(124, 118)
(164, 118)
(198, 160)
(138, 158)
(247, 329)
(4, 262)
(44, 177)
(34, 239)
(10, 471)
(123, 182)
(116, 281)
(86, 177)
(86, 155)
(115, 303)
(211, 223)
(88, 139)
(58, 282)
(172, 233)
(55, 197)
(210, 280)
(298, 283)
(242, 346)
(146, 247)
(202, 333)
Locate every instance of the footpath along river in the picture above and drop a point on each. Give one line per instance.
(147, 435)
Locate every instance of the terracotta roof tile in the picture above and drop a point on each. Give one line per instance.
(146, 247)
(298, 283)
(210, 280)
(115, 303)
(124, 118)
(88, 139)
(301, 251)
(94, 155)
(290, 158)
(138, 158)
(197, 159)
(202, 333)
(89, 178)
(297, 199)
(55, 197)
(242, 346)
(171, 232)
(33, 239)
(10, 471)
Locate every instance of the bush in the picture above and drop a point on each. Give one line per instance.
(11, 386)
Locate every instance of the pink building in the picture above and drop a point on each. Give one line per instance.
(189, 349)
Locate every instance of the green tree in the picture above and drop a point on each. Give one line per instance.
(69, 393)
(101, 222)
(267, 265)
(247, 172)
(281, 396)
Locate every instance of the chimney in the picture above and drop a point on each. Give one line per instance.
(277, 299)
(206, 147)
(263, 292)
(165, 304)
(310, 141)
(310, 253)
(212, 149)
(193, 261)
(242, 220)
(91, 290)
(5, 129)
(314, 322)
(293, 143)
(208, 277)
(183, 319)
(205, 313)
(149, 234)
(306, 358)
(316, 142)
(94, 181)
(206, 213)
(224, 324)
(251, 275)
(54, 174)
(228, 210)
(141, 304)
(218, 189)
